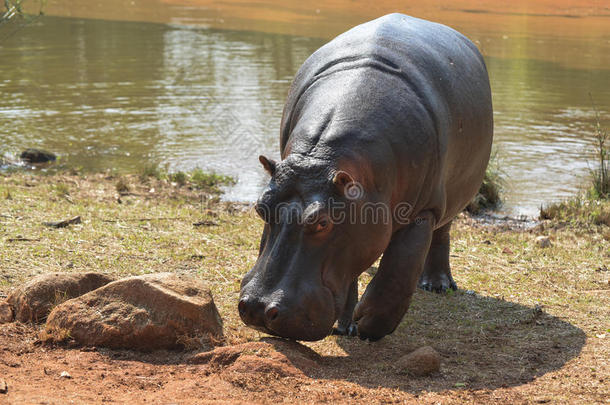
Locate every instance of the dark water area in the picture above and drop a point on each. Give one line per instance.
(109, 94)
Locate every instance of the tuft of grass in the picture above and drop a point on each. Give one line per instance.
(197, 179)
(600, 175)
(153, 170)
(122, 187)
(580, 210)
(179, 178)
(489, 195)
(210, 181)
(61, 189)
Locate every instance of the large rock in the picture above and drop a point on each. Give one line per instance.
(421, 362)
(153, 311)
(33, 301)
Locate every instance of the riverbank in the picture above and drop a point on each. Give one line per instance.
(529, 323)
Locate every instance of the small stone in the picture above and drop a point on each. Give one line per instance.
(65, 374)
(3, 387)
(543, 241)
(421, 362)
(507, 251)
(6, 312)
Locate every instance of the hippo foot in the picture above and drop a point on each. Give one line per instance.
(437, 284)
(373, 327)
(371, 336)
(349, 330)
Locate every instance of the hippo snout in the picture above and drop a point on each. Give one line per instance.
(293, 316)
(255, 312)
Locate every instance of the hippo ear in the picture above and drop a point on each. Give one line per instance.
(268, 164)
(342, 181)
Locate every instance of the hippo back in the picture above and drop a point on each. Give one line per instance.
(444, 70)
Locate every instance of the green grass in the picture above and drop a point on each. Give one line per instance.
(211, 181)
(197, 178)
(600, 175)
(153, 170)
(489, 196)
(578, 211)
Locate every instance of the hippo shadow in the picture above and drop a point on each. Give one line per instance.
(484, 342)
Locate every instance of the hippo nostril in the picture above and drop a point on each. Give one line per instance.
(242, 306)
(272, 312)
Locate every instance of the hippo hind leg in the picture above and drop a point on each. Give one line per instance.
(437, 272)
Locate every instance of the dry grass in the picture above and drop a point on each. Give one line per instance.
(528, 324)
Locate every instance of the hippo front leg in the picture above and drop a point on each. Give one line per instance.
(388, 295)
(345, 324)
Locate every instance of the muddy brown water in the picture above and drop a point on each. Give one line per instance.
(198, 83)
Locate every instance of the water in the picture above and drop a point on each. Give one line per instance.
(115, 94)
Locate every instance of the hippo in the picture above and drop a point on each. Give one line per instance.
(385, 137)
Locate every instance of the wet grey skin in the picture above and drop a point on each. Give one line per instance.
(395, 114)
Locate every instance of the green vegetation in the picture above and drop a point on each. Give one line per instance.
(489, 195)
(122, 186)
(197, 178)
(153, 170)
(211, 181)
(600, 188)
(179, 178)
(580, 210)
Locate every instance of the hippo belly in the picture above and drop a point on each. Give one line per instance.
(385, 137)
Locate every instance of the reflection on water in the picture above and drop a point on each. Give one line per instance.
(119, 94)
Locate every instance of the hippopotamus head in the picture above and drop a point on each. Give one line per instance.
(314, 245)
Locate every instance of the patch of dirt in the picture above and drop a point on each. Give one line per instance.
(268, 371)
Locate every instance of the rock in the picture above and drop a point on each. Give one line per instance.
(543, 241)
(421, 362)
(153, 311)
(3, 387)
(33, 301)
(65, 374)
(32, 155)
(6, 312)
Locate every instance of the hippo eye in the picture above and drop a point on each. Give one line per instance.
(321, 225)
(263, 211)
